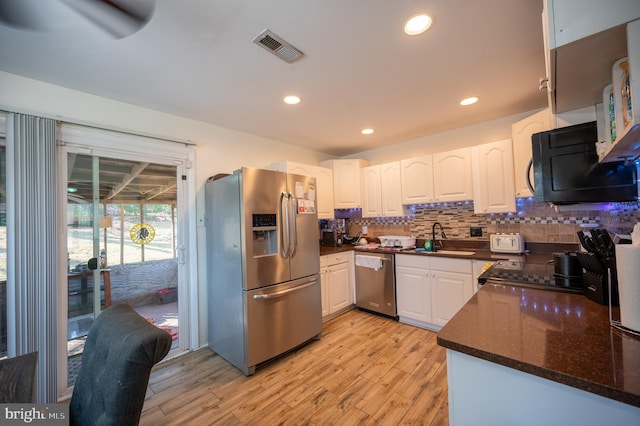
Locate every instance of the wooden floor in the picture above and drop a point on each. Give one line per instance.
(365, 370)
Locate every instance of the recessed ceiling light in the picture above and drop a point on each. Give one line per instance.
(291, 100)
(469, 101)
(367, 131)
(417, 24)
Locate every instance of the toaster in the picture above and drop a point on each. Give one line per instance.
(506, 243)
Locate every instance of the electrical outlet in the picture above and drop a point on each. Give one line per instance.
(365, 229)
(475, 231)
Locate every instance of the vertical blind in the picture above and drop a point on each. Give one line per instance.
(31, 239)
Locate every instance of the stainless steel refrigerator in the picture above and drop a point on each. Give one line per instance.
(263, 265)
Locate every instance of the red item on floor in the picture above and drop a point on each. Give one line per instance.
(174, 334)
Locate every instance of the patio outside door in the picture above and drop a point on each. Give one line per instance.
(122, 239)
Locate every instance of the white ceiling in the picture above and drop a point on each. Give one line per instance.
(196, 58)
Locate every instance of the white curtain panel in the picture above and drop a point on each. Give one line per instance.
(31, 243)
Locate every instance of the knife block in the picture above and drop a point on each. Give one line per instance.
(596, 283)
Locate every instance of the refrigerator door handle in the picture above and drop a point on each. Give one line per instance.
(283, 292)
(294, 211)
(284, 244)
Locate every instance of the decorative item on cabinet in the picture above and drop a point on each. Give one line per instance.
(620, 92)
(608, 100)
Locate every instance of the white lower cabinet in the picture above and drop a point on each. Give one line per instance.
(337, 283)
(430, 290)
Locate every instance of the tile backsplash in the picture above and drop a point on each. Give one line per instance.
(537, 222)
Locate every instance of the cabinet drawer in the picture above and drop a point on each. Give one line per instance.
(336, 258)
(413, 261)
(324, 261)
(462, 266)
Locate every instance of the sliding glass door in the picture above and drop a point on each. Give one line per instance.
(127, 239)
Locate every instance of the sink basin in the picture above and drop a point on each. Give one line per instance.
(457, 252)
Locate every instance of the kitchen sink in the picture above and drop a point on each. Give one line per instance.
(456, 252)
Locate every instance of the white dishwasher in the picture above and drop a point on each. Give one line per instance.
(376, 283)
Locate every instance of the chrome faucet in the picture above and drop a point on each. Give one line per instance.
(433, 235)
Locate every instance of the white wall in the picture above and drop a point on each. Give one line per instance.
(218, 150)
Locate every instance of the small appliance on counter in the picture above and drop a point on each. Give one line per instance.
(507, 243)
(397, 241)
(333, 231)
(329, 237)
(568, 269)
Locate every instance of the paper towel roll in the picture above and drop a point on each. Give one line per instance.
(628, 268)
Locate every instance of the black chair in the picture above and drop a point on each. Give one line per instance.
(120, 350)
(18, 379)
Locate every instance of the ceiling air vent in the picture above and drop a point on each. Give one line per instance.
(277, 46)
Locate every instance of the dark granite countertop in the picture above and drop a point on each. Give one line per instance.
(479, 253)
(324, 250)
(558, 336)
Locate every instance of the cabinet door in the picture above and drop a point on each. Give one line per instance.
(371, 195)
(340, 291)
(346, 184)
(324, 192)
(413, 293)
(325, 289)
(493, 190)
(417, 180)
(449, 292)
(391, 189)
(521, 132)
(452, 179)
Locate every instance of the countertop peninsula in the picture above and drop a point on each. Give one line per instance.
(562, 337)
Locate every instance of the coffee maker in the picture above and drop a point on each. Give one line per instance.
(333, 231)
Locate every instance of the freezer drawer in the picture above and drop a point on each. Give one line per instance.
(376, 287)
(281, 317)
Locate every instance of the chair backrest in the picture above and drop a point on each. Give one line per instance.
(120, 350)
(18, 379)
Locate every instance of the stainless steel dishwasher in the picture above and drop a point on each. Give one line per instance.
(376, 283)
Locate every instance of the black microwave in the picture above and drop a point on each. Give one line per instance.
(566, 169)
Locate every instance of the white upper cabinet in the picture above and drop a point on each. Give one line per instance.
(381, 190)
(574, 20)
(494, 190)
(521, 132)
(391, 189)
(417, 180)
(346, 182)
(371, 197)
(452, 180)
(324, 183)
(324, 193)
